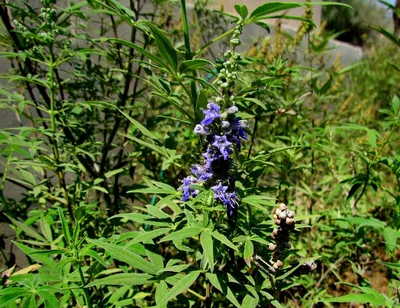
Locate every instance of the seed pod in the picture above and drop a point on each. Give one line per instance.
(275, 231)
(289, 221)
(290, 214)
(282, 206)
(283, 215)
(275, 266)
(277, 221)
(271, 246)
(279, 263)
(278, 212)
(275, 216)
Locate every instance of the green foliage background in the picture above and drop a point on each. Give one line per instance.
(106, 135)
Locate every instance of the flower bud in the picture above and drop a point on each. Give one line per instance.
(277, 221)
(271, 246)
(289, 221)
(283, 215)
(225, 124)
(282, 206)
(232, 110)
(201, 130)
(279, 263)
(278, 212)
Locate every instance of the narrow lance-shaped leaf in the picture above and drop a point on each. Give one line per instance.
(182, 285)
(127, 256)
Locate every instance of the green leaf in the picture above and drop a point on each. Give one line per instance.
(139, 49)
(126, 279)
(242, 10)
(7, 296)
(50, 300)
(250, 302)
(182, 285)
(354, 298)
(192, 65)
(164, 45)
(148, 235)
(127, 256)
(182, 234)
(28, 230)
(391, 236)
(223, 239)
(139, 126)
(221, 285)
(208, 248)
(111, 173)
(396, 105)
(272, 7)
(99, 188)
(161, 292)
(248, 252)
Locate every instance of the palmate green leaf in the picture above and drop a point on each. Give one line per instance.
(125, 279)
(208, 248)
(9, 295)
(164, 45)
(182, 234)
(127, 256)
(221, 285)
(182, 285)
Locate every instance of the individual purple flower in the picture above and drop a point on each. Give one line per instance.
(231, 202)
(219, 192)
(203, 174)
(187, 188)
(210, 155)
(201, 130)
(223, 145)
(211, 113)
(238, 128)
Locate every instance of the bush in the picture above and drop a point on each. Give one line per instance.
(153, 176)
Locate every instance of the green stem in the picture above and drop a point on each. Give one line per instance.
(52, 88)
(188, 51)
(85, 292)
(201, 49)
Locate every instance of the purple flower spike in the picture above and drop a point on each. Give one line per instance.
(201, 130)
(211, 113)
(223, 145)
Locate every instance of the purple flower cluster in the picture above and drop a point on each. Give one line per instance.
(222, 132)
